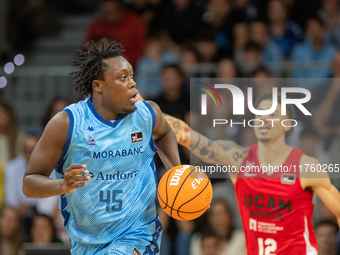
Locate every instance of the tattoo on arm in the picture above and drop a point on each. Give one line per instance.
(237, 156)
(214, 152)
(174, 123)
(206, 149)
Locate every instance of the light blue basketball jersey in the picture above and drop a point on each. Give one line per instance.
(115, 213)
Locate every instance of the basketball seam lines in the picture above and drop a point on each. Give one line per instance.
(173, 203)
(184, 212)
(193, 198)
(166, 190)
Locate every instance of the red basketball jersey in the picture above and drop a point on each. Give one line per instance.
(276, 212)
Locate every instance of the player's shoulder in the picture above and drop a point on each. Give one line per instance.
(59, 123)
(151, 103)
(312, 170)
(154, 107)
(305, 159)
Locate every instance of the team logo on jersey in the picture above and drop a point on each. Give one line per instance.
(137, 137)
(135, 251)
(90, 128)
(91, 142)
(288, 179)
(252, 224)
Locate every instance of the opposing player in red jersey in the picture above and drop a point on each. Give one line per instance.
(276, 208)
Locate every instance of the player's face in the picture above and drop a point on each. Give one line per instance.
(119, 88)
(270, 130)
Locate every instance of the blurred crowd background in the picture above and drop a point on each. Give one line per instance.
(168, 42)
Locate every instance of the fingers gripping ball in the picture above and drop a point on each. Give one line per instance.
(184, 192)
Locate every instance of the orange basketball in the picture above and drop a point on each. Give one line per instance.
(184, 192)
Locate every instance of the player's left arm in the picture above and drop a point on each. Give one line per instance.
(320, 183)
(165, 139)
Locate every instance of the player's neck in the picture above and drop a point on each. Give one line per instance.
(273, 151)
(102, 111)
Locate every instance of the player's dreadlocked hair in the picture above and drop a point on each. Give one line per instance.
(91, 64)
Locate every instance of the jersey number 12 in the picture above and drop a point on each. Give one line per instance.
(271, 246)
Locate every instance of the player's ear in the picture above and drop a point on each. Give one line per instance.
(287, 126)
(97, 86)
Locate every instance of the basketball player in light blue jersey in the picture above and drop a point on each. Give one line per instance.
(102, 149)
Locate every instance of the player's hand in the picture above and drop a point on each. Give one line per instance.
(74, 177)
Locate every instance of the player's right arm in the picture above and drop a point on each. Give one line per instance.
(44, 158)
(222, 152)
(320, 184)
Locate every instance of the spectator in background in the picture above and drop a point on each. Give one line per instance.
(10, 231)
(286, 34)
(220, 19)
(149, 66)
(43, 231)
(259, 34)
(220, 222)
(10, 141)
(180, 19)
(10, 137)
(206, 45)
(147, 10)
(241, 38)
(330, 15)
(314, 49)
(122, 26)
(226, 69)
(173, 101)
(252, 59)
(189, 58)
(209, 244)
(56, 105)
(14, 174)
(326, 233)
